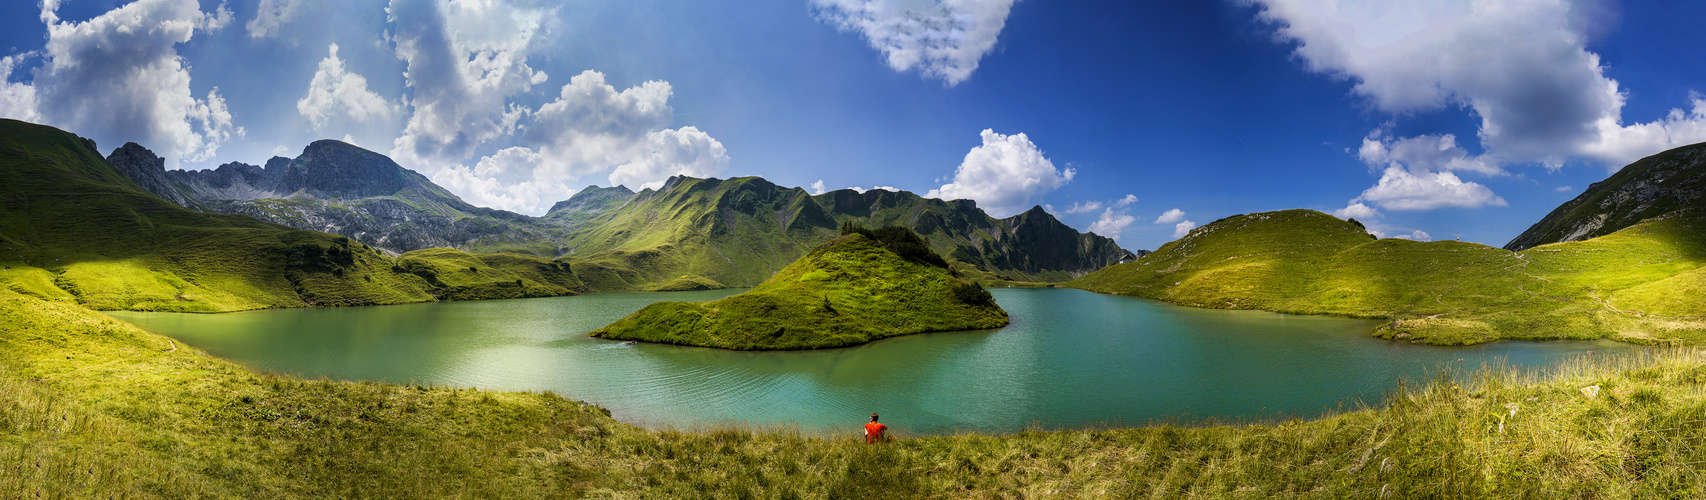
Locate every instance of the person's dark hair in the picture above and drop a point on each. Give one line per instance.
(873, 417)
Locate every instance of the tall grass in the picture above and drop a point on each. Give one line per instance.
(90, 407)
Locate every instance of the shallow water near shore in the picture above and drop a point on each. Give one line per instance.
(1069, 359)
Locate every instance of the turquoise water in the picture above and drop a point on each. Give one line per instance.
(1070, 358)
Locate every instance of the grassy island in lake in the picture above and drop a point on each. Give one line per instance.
(863, 286)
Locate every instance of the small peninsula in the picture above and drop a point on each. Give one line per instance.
(862, 286)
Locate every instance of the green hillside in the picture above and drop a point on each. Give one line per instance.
(741, 231)
(74, 229)
(1630, 285)
(863, 286)
(1669, 182)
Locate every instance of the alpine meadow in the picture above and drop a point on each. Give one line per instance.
(828, 249)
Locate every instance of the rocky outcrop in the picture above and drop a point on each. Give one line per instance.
(1666, 184)
(342, 189)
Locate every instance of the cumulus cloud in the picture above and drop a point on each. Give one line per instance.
(818, 187)
(943, 39)
(1003, 174)
(465, 60)
(118, 77)
(1357, 210)
(1424, 152)
(861, 190)
(17, 100)
(1127, 200)
(1402, 189)
(270, 15)
(506, 179)
(335, 91)
(1418, 235)
(1183, 228)
(1170, 216)
(1521, 66)
(1083, 207)
(1111, 223)
(1565, 189)
(683, 151)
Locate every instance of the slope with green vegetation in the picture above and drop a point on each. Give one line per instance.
(863, 286)
(94, 408)
(1631, 285)
(740, 231)
(74, 229)
(458, 275)
(1670, 182)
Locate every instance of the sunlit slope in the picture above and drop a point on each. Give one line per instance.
(1251, 261)
(457, 275)
(1632, 285)
(98, 238)
(852, 290)
(742, 230)
(74, 229)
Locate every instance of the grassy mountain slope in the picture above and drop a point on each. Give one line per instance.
(94, 408)
(74, 229)
(1629, 285)
(740, 231)
(458, 275)
(1654, 186)
(857, 288)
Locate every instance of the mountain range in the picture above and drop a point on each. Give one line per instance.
(735, 232)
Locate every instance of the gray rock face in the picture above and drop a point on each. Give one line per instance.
(341, 189)
(148, 170)
(1666, 184)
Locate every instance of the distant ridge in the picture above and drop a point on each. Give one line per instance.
(1660, 185)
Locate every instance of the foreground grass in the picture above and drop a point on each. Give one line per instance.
(91, 407)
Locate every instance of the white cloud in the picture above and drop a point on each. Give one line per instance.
(861, 190)
(465, 60)
(1083, 207)
(944, 39)
(17, 100)
(1183, 228)
(1418, 235)
(1424, 152)
(1111, 223)
(270, 15)
(1003, 174)
(335, 90)
(683, 151)
(507, 179)
(818, 188)
(118, 77)
(1170, 216)
(1357, 210)
(1401, 189)
(1416, 175)
(1565, 189)
(1127, 200)
(1521, 66)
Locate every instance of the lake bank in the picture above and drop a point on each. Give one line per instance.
(1070, 359)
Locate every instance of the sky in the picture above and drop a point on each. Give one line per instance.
(1137, 120)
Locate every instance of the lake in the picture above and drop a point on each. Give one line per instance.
(1070, 358)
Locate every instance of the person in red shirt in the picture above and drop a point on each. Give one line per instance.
(874, 431)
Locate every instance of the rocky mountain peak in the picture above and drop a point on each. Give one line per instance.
(1666, 183)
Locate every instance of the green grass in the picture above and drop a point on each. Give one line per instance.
(91, 407)
(1631, 285)
(74, 229)
(689, 282)
(458, 275)
(852, 290)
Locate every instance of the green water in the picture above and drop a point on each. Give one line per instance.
(1070, 358)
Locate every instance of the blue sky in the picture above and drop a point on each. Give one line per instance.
(1462, 119)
